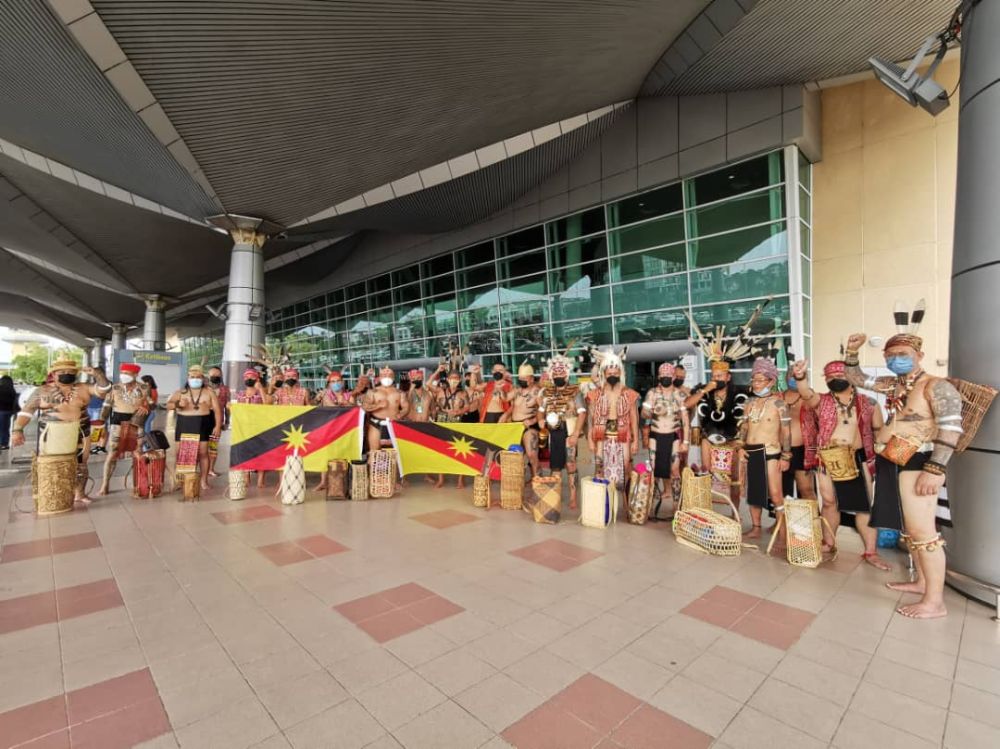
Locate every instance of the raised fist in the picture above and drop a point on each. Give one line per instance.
(856, 341)
(799, 369)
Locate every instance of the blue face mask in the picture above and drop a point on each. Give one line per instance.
(792, 384)
(761, 393)
(336, 386)
(900, 365)
(195, 383)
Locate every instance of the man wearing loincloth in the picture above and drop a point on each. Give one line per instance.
(383, 404)
(801, 470)
(767, 444)
(65, 400)
(845, 418)
(563, 408)
(198, 412)
(613, 421)
(523, 401)
(912, 449)
(664, 407)
(253, 392)
(124, 412)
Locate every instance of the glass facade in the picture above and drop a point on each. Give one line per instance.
(713, 245)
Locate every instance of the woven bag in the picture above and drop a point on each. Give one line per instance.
(238, 484)
(696, 491)
(805, 532)
(56, 484)
(292, 486)
(481, 491)
(640, 497)
(598, 502)
(190, 487)
(976, 401)
(382, 473)
(359, 480)
(545, 499)
(336, 479)
(511, 480)
(697, 526)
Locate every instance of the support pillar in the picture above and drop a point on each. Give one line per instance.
(245, 303)
(118, 332)
(97, 353)
(154, 327)
(973, 551)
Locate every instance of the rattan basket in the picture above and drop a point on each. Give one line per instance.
(238, 484)
(697, 526)
(190, 487)
(481, 491)
(511, 480)
(696, 491)
(55, 484)
(382, 473)
(805, 532)
(976, 401)
(359, 480)
(336, 479)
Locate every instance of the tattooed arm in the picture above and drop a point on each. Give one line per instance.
(946, 405)
(785, 419)
(856, 375)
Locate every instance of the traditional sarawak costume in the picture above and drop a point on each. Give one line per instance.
(125, 429)
(335, 398)
(499, 389)
(561, 407)
(421, 399)
(291, 396)
(758, 492)
(852, 494)
(665, 405)
(612, 436)
(250, 395)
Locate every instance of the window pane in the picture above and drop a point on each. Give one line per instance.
(524, 302)
(596, 331)
(526, 339)
(406, 294)
(746, 210)
(480, 253)
(581, 301)
(525, 313)
(479, 318)
(356, 299)
(734, 314)
(653, 203)
(522, 265)
(477, 276)
(521, 241)
(565, 279)
(806, 276)
(650, 234)
(580, 251)
(407, 274)
(577, 225)
(740, 281)
(653, 293)
(656, 262)
(437, 266)
(652, 326)
(440, 285)
(409, 325)
(483, 342)
(805, 172)
(735, 179)
(408, 348)
(748, 244)
(805, 205)
(379, 283)
(805, 239)
(381, 299)
(441, 318)
(358, 334)
(478, 298)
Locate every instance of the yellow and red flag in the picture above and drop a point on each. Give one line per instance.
(263, 436)
(455, 448)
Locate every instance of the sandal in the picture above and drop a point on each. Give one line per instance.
(872, 558)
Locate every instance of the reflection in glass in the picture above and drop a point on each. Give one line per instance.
(776, 317)
(596, 331)
(480, 253)
(521, 241)
(581, 300)
(650, 234)
(746, 244)
(740, 281)
(735, 179)
(658, 262)
(652, 293)
(526, 339)
(566, 278)
(805, 239)
(483, 342)
(577, 225)
(522, 265)
(656, 202)
(667, 325)
(579, 251)
(745, 210)
(437, 266)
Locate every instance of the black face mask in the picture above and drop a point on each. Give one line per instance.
(678, 382)
(66, 379)
(837, 386)
(498, 376)
(215, 380)
(443, 376)
(418, 383)
(559, 381)
(613, 380)
(249, 383)
(666, 382)
(522, 383)
(291, 383)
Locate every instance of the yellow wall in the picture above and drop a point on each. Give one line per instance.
(883, 210)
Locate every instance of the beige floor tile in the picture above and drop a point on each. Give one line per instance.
(751, 729)
(278, 741)
(345, 726)
(278, 667)
(243, 724)
(204, 697)
(976, 704)
(920, 685)
(858, 731)
(190, 666)
(583, 650)
(30, 683)
(917, 656)
(447, 726)
(366, 669)
(966, 733)
(977, 675)
(724, 676)
(399, 700)
(502, 648)
(832, 654)
(419, 647)
(637, 676)
(745, 652)
(817, 679)
(463, 628)
(899, 711)
(539, 628)
(385, 742)
(816, 716)
(496, 743)
(294, 700)
(695, 704)
(166, 741)
(498, 701)
(544, 673)
(572, 612)
(102, 666)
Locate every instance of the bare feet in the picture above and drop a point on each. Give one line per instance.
(321, 486)
(872, 558)
(923, 610)
(430, 480)
(102, 492)
(213, 474)
(439, 483)
(82, 501)
(204, 486)
(907, 587)
(754, 532)
(572, 504)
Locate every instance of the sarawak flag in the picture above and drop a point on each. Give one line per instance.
(263, 436)
(455, 448)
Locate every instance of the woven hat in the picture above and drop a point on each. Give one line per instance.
(59, 364)
(129, 368)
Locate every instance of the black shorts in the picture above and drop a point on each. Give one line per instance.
(664, 450)
(492, 417)
(200, 424)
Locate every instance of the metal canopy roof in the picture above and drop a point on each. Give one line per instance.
(310, 113)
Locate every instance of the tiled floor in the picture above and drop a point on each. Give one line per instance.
(339, 624)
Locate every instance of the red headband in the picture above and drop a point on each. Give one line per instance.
(834, 368)
(130, 368)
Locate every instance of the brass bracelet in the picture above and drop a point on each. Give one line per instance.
(934, 468)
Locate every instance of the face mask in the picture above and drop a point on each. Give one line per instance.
(522, 383)
(792, 383)
(291, 383)
(278, 383)
(666, 382)
(336, 386)
(385, 382)
(453, 384)
(678, 382)
(900, 365)
(559, 381)
(418, 383)
(613, 379)
(215, 380)
(66, 379)
(194, 383)
(837, 386)
(443, 376)
(249, 383)
(126, 379)
(498, 376)
(763, 392)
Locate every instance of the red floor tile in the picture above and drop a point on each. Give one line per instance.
(556, 562)
(768, 632)
(788, 616)
(713, 613)
(110, 696)
(321, 546)
(390, 625)
(247, 514)
(125, 728)
(79, 600)
(549, 727)
(406, 594)
(364, 608)
(75, 542)
(734, 599)
(57, 740)
(649, 728)
(581, 553)
(27, 611)
(556, 555)
(26, 550)
(433, 609)
(32, 721)
(443, 519)
(597, 703)
(285, 552)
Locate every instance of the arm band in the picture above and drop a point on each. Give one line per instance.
(950, 428)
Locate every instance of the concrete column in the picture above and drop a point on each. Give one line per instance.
(973, 476)
(154, 328)
(245, 303)
(97, 352)
(118, 332)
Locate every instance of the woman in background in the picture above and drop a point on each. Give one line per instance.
(8, 407)
(153, 397)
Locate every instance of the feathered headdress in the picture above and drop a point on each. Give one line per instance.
(907, 325)
(561, 364)
(720, 350)
(608, 358)
(276, 359)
